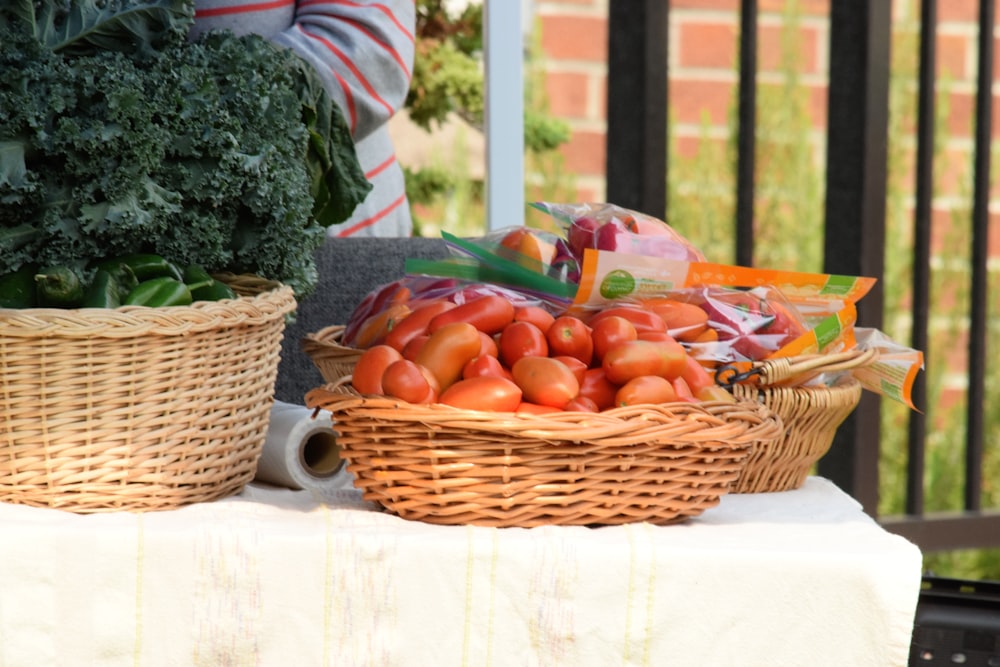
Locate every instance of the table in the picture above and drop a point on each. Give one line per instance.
(291, 578)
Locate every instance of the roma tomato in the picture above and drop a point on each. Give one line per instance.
(633, 358)
(696, 376)
(537, 315)
(578, 367)
(415, 324)
(527, 408)
(486, 392)
(682, 389)
(521, 339)
(413, 347)
(569, 336)
(485, 364)
(489, 313)
(610, 331)
(685, 321)
(375, 328)
(641, 319)
(367, 375)
(545, 381)
(582, 404)
(645, 389)
(598, 388)
(448, 350)
(408, 382)
(489, 345)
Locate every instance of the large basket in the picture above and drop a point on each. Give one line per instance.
(444, 465)
(811, 415)
(138, 408)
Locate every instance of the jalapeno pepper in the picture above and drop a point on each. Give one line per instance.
(103, 292)
(159, 292)
(17, 288)
(58, 287)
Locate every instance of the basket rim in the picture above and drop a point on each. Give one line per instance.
(260, 300)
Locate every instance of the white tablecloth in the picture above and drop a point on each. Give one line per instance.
(276, 577)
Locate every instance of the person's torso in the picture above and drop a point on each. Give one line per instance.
(266, 19)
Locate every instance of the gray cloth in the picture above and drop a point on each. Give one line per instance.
(349, 268)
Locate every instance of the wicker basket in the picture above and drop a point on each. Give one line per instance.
(332, 359)
(443, 465)
(811, 415)
(138, 408)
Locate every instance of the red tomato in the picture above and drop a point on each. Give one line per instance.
(448, 350)
(696, 376)
(685, 321)
(644, 357)
(526, 408)
(375, 328)
(485, 392)
(609, 331)
(413, 347)
(642, 320)
(367, 375)
(658, 336)
(545, 381)
(485, 364)
(408, 382)
(489, 313)
(646, 389)
(415, 324)
(682, 389)
(574, 364)
(489, 345)
(598, 388)
(521, 339)
(537, 315)
(569, 336)
(582, 404)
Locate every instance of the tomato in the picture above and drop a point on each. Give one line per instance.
(569, 336)
(407, 381)
(526, 408)
(682, 389)
(610, 331)
(367, 375)
(521, 339)
(696, 376)
(582, 404)
(659, 336)
(714, 393)
(645, 389)
(545, 381)
(537, 315)
(644, 357)
(642, 320)
(375, 328)
(486, 392)
(598, 388)
(489, 313)
(685, 321)
(574, 364)
(413, 347)
(488, 345)
(485, 364)
(448, 350)
(416, 323)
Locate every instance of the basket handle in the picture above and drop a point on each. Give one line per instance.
(777, 370)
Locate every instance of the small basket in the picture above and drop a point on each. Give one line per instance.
(811, 415)
(138, 408)
(443, 465)
(331, 358)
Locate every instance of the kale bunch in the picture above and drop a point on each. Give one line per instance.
(224, 152)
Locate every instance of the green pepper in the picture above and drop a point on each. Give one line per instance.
(103, 292)
(145, 266)
(159, 292)
(123, 276)
(204, 287)
(58, 287)
(17, 288)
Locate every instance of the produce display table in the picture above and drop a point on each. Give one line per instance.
(279, 577)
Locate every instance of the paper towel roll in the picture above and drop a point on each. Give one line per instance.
(301, 451)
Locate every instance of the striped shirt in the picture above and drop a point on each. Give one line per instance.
(363, 50)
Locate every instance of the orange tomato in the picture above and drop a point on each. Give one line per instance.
(489, 313)
(376, 327)
(598, 388)
(416, 323)
(641, 319)
(645, 389)
(527, 408)
(408, 382)
(537, 315)
(633, 358)
(714, 393)
(610, 331)
(582, 404)
(486, 392)
(448, 349)
(574, 364)
(521, 339)
(489, 345)
(685, 321)
(545, 381)
(569, 336)
(485, 364)
(696, 376)
(682, 389)
(413, 347)
(367, 375)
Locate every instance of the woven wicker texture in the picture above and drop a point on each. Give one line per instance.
(439, 464)
(811, 415)
(138, 408)
(333, 360)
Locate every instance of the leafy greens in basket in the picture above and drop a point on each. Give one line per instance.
(118, 135)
